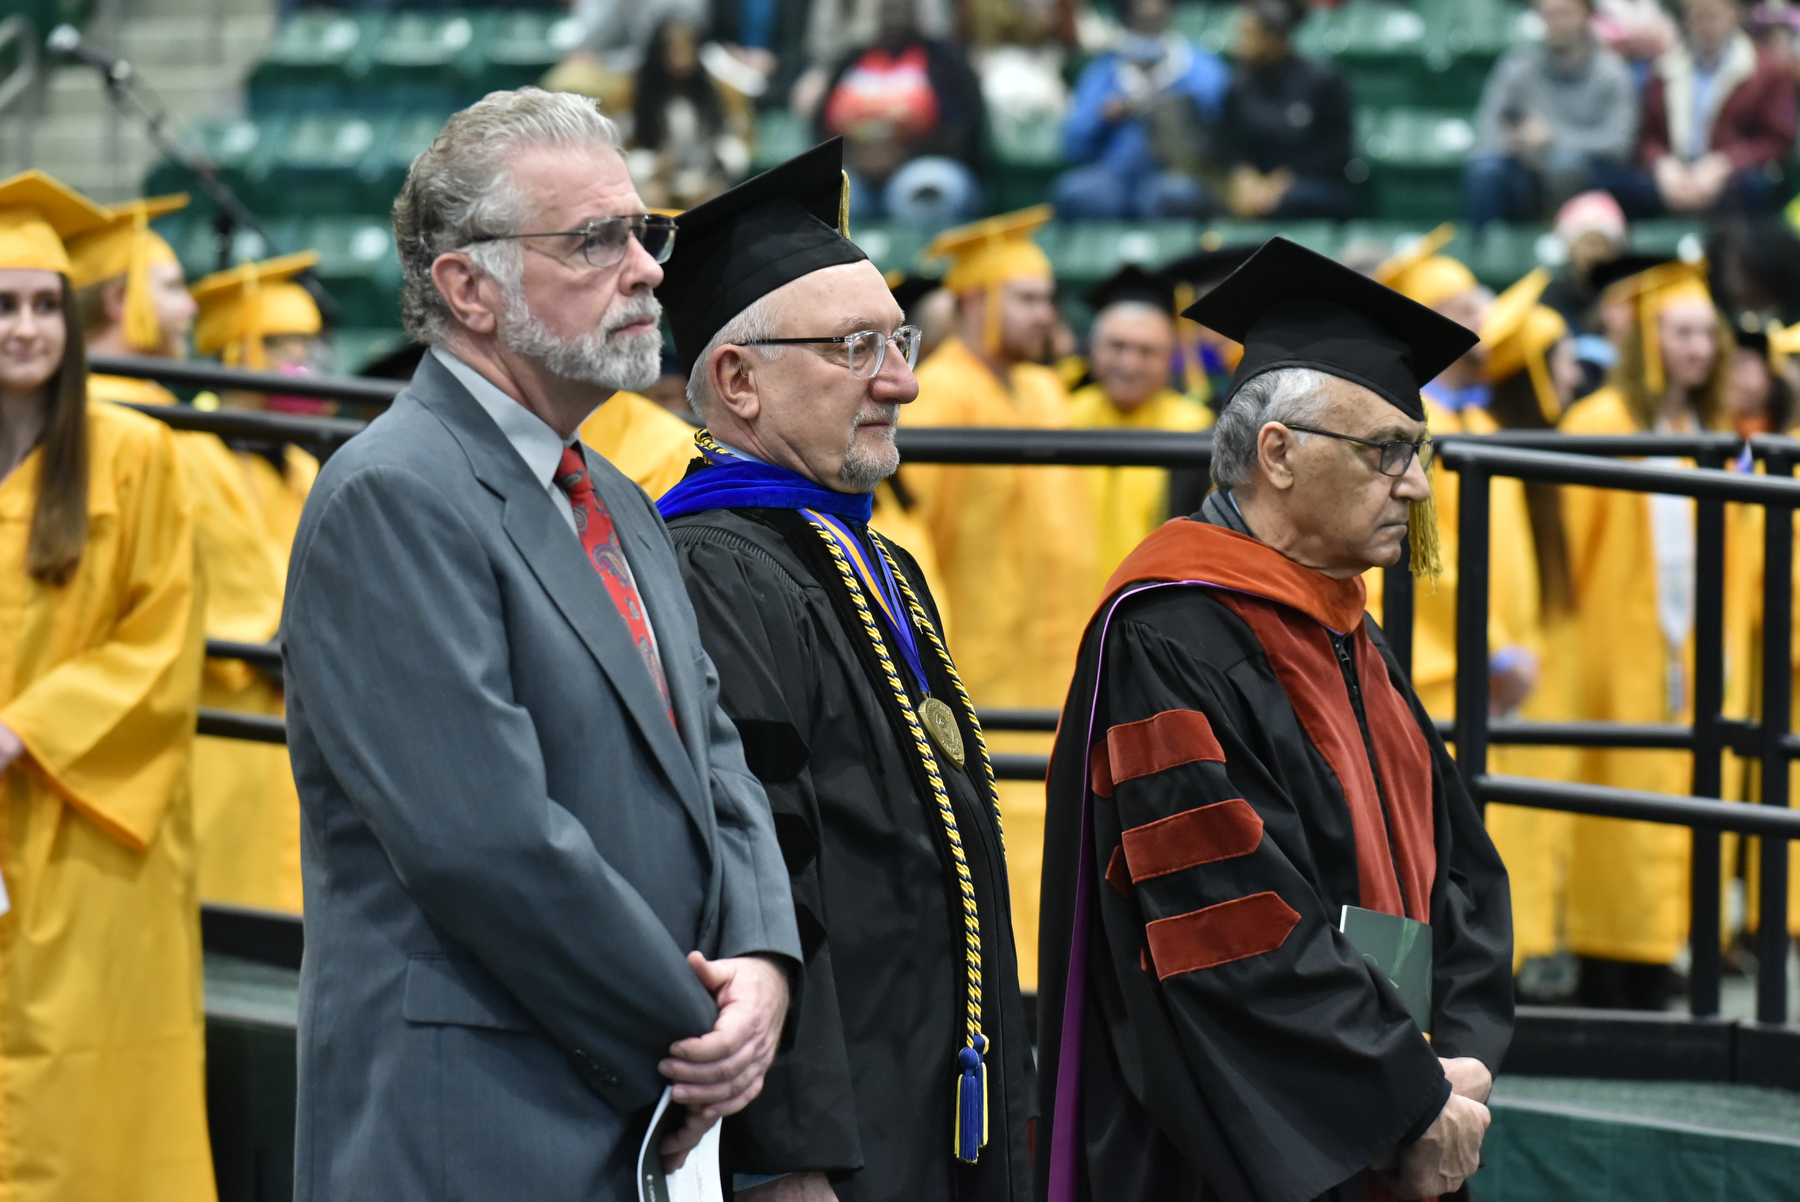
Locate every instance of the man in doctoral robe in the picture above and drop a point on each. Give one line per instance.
(1016, 545)
(835, 669)
(1240, 767)
(1131, 348)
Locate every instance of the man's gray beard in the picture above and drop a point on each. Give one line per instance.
(595, 357)
(865, 466)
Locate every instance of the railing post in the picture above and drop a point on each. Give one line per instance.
(1472, 623)
(1397, 607)
(1709, 699)
(1777, 717)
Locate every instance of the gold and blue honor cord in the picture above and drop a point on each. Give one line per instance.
(971, 1126)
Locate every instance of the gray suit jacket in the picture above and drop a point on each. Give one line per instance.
(508, 850)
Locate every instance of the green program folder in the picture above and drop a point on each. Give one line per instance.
(1400, 949)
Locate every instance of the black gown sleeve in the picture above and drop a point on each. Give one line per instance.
(755, 624)
(1304, 1056)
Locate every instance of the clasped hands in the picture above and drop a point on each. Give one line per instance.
(1450, 1150)
(721, 1072)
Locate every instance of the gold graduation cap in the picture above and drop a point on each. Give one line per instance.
(1784, 341)
(242, 305)
(1653, 291)
(1420, 273)
(993, 251)
(1519, 332)
(127, 246)
(37, 212)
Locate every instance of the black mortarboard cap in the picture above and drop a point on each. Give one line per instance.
(738, 247)
(1132, 283)
(1602, 276)
(910, 289)
(1292, 307)
(1205, 267)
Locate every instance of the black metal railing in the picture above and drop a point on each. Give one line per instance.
(1709, 736)
(1546, 456)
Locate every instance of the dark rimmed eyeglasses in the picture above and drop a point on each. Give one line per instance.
(866, 350)
(602, 241)
(1396, 454)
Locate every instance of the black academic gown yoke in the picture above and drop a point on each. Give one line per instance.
(1278, 1076)
(866, 1093)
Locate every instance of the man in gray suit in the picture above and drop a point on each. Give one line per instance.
(540, 882)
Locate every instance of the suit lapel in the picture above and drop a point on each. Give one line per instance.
(554, 555)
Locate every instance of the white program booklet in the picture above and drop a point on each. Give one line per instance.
(695, 1181)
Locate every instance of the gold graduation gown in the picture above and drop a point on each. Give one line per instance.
(125, 390)
(1132, 501)
(1628, 881)
(102, 1044)
(1016, 548)
(641, 439)
(1743, 693)
(246, 808)
(1534, 843)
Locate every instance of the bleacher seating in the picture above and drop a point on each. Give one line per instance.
(344, 99)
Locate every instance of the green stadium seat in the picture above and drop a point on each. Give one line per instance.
(315, 166)
(891, 245)
(354, 348)
(1415, 160)
(1025, 156)
(313, 59)
(235, 147)
(779, 137)
(1086, 252)
(1664, 237)
(398, 142)
(423, 59)
(358, 266)
(523, 44)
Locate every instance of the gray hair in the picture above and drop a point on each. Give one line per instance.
(1286, 394)
(461, 188)
(758, 320)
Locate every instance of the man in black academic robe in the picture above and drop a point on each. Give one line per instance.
(1240, 760)
(883, 797)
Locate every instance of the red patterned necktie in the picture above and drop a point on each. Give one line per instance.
(601, 542)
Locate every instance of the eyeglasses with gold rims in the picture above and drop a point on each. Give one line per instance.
(602, 241)
(866, 350)
(1396, 454)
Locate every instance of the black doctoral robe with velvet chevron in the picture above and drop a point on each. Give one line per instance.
(1239, 759)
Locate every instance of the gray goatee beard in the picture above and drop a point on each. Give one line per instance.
(867, 465)
(597, 357)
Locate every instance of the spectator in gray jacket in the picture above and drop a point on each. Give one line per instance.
(1549, 113)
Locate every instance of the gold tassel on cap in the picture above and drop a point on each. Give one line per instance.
(143, 329)
(844, 205)
(1422, 532)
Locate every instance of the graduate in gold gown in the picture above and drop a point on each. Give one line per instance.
(1131, 350)
(1532, 374)
(641, 439)
(1015, 545)
(102, 1050)
(132, 297)
(248, 499)
(1454, 404)
(1631, 559)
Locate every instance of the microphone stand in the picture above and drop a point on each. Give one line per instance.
(232, 213)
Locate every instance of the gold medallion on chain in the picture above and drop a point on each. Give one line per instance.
(940, 724)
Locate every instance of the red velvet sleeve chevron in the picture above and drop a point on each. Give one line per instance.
(1168, 740)
(1233, 930)
(1220, 831)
